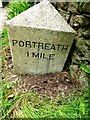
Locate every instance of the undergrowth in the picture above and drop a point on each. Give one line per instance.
(33, 105)
(75, 108)
(6, 101)
(16, 8)
(4, 42)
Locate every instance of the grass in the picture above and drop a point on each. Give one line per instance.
(16, 8)
(76, 108)
(32, 105)
(4, 39)
(4, 43)
(6, 103)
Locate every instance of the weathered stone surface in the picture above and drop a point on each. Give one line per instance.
(86, 33)
(66, 15)
(73, 7)
(82, 52)
(40, 40)
(79, 19)
(42, 16)
(85, 7)
(62, 5)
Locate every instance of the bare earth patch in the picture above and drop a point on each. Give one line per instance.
(49, 84)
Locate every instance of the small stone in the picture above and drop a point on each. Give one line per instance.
(10, 96)
(14, 76)
(76, 24)
(57, 81)
(10, 66)
(9, 73)
(66, 87)
(67, 80)
(81, 20)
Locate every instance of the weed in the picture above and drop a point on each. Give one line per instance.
(32, 105)
(41, 108)
(4, 43)
(16, 8)
(85, 68)
(8, 98)
(4, 38)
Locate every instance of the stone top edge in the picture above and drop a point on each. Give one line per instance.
(42, 28)
(46, 29)
(55, 21)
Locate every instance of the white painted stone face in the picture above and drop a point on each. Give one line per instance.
(40, 40)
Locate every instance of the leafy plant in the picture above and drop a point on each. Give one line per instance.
(4, 38)
(4, 43)
(85, 68)
(16, 8)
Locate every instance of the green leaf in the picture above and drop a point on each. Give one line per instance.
(16, 8)
(85, 68)
(82, 108)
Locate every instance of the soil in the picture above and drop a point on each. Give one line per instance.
(53, 85)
